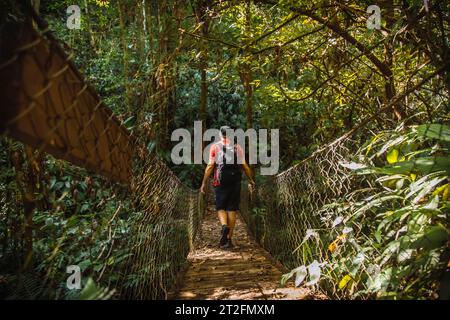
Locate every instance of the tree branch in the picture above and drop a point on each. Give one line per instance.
(384, 69)
(365, 121)
(208, 38)
(265, 35)
(289, 41)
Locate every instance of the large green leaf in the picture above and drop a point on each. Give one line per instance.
(434, 237)
(423, 165)
(130, 122)
(392, 156)
(93, 292)
(435, 131)
(376, 203)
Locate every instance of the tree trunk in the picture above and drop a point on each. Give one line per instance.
(203, 20)
(246, 72)
(163, 74)
(389, 85)
(36, 5)
(128, 106)
(90, 37)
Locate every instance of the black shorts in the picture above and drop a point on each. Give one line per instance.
(228, 198)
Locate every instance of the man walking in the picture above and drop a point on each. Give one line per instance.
(223, 162)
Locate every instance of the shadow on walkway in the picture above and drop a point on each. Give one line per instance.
(244, 272)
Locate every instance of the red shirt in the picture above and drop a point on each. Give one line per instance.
(215, 148)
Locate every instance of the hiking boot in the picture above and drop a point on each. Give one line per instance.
(228, 245)
(224, 235)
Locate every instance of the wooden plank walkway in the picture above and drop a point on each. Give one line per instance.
(245, 272)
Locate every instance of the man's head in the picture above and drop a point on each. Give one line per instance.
(223, 131)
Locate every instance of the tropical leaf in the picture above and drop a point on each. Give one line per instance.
(435, 131)
(392, 156)
(423, 165)
(300, 275)
(433, 237)
(344, 281)
(92, 292)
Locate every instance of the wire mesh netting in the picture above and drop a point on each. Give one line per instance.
(50, 107)
(47, 105)
(292, 208)
(163, 234)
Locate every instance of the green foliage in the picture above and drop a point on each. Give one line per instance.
(92, 292)
(83, 223)
(392, 242)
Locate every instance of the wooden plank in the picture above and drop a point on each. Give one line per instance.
(236, 267)
(269, 280)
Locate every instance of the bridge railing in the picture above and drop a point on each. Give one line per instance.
(48, 106)
(291, 215)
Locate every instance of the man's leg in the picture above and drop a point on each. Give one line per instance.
(231, 222)
(223, 218)
(222, 214)
(233, 207)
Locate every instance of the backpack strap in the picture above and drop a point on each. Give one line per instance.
(223, 153)
(221, 145)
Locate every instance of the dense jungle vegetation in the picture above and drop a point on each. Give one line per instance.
(313, 70)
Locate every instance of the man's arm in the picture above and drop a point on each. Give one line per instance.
(209, 169)
(248, 172)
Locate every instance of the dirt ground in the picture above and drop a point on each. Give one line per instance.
(245, 272)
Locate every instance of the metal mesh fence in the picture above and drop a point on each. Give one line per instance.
(293, 207)
(163, 234)
(47, 105)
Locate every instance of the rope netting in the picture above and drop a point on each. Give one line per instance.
(47, 105)
(291, 216)
(163, 233)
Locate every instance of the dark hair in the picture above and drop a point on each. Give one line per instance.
(223, 130)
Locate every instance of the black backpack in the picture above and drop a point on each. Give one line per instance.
(228, 173)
